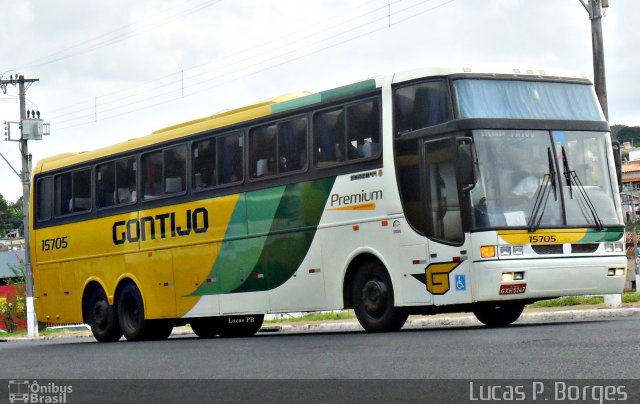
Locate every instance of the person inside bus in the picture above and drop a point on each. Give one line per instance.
(534, 166)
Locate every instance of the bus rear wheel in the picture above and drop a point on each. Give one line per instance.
(498, 314)
(240, 326)
(131, 315)
(102, 317)
(373, 300)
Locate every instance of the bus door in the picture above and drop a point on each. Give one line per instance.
(447, 270)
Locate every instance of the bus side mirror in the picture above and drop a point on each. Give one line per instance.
(467, 163)
(617, 158)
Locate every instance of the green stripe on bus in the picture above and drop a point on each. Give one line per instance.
(288, 217)
(348, 90)
(296, 103)
(300, 208)
(608, 234)
(325, 96)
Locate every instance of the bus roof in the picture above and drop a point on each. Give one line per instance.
(225, 118)
(487, 71)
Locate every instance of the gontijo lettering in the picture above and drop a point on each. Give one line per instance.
(164, 225)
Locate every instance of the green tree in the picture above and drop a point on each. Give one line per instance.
(10, 216)
(625, 133)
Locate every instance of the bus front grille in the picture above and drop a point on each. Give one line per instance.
(547, 248)
(584, 248)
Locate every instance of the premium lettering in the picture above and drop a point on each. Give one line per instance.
(163, 225)
(361, 197)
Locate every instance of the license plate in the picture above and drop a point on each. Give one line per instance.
(513, 289)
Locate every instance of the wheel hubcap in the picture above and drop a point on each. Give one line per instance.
(374, 296)
(100, 313)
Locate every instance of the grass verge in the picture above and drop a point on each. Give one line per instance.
(320, 316)
(578, 300)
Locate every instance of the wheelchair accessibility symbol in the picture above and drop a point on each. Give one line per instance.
(461, 282)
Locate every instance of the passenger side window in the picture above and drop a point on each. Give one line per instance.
(116, 183)
(72, 192)
(164, 172)
(278, 148)
(44, 191)
(363, 130)
(217, 161)
(328, 131)
(347, 133)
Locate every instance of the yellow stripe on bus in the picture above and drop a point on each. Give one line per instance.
(362, 206)
(542, 236)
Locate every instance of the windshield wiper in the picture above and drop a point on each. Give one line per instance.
(542, 195)
(584, 202)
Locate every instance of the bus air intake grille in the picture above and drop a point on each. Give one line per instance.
(547, 248)
(584, 248)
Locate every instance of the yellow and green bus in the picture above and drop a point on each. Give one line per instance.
(428, 191)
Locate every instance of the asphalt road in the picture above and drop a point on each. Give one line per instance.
(560, 350)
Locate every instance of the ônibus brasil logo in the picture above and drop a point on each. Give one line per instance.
(25, 391)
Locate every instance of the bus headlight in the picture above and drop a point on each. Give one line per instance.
(615, 272)
(512, 276)
(608, 247)
(508, 250)
(618, 247)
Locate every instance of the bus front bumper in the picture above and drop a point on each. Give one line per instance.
(500, 280)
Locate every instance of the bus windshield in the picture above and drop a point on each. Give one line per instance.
(569, 172)
(513, 99)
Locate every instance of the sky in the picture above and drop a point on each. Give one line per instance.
(111, 71)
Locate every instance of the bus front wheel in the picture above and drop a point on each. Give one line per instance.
(102, 317)
(373, 300)
(498, 314)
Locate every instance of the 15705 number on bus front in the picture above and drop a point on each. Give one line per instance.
(542, 239)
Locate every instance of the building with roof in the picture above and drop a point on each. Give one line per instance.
(9, 258)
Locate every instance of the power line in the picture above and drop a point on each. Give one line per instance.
(115, 36)
(137, 90)
(240, 71)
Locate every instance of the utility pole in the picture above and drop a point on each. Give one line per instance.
(594, 8)
(25, 135)
(32, 324)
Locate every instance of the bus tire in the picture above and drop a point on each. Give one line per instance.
(102, 317)
(206, 327)
(498, 314)
(373, 299)
(131, 313)
(240, 326)
(156, 330)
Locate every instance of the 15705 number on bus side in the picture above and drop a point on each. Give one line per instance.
(57, 243)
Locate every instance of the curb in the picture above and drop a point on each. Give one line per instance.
(463, 320)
